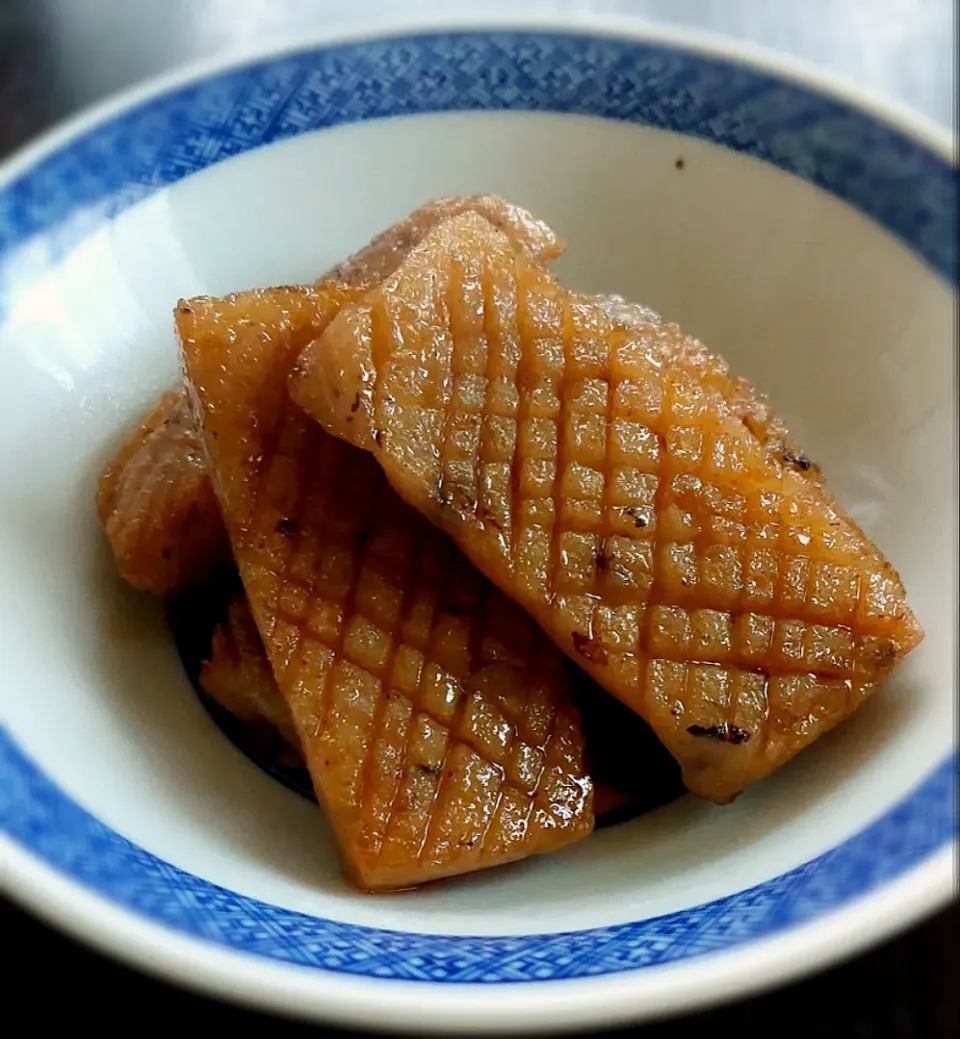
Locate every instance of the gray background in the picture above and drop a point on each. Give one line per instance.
(56, 56)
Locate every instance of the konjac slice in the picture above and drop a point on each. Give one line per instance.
(237, 675)
(433, 715)
(681, 353)
(381, 256)
(630, 770)
(595, 471)
(157, 506)
(154, 498)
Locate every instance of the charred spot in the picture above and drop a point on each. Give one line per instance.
(601, 561)
(167, 553)
(184, 308)
(429, 770)
(723, 733)
(639, 520)
(355, 406)
(590, 649)
(798, 461)
(363, 537)
(287, 527)
(457, 497)
(680, 163)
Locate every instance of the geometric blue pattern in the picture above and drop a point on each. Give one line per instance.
(888, 177)
(55, 204)
(39, 816)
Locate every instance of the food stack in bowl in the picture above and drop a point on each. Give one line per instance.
(511, 559)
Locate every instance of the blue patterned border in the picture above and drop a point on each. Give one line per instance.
(885, 175)
(67, 195)
(39, 816)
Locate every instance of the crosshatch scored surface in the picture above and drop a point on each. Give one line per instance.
(88, 181)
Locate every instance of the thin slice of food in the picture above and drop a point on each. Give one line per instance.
(154, 498)
(594, 470)
(157, 506)
(239, 678)
(683, 353)
(631, 771)
(382, 255)
(435, 718)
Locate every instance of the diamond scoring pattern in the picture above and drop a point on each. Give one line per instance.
(593, 473)
(434, 716)
(85, 183)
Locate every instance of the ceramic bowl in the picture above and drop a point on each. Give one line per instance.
(805, 232)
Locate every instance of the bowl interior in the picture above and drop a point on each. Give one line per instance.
(848, 331)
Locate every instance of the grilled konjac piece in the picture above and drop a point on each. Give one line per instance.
(157, 506)
(382, 255)
(154, 498)
(237, 675)
(433, 715)
(631, 771)
(598, 473)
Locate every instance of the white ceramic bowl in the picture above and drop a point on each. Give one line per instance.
(807, 234)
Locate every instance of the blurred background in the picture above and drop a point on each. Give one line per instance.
(58, 56)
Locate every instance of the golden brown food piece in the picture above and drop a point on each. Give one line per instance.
(594, 473)
(433, 715)
(684, 353)
(239, 678)
(380, 257)
(155, 500)
(640, 775)
(156, 504)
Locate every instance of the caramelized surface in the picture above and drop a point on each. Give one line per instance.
(683, 353)
(434, 717)
(156, 504)
(606, 476)
(631, 771)
(154, 498)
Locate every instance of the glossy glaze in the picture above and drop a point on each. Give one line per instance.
(655, 525)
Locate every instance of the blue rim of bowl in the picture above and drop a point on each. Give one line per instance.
(91, 179)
